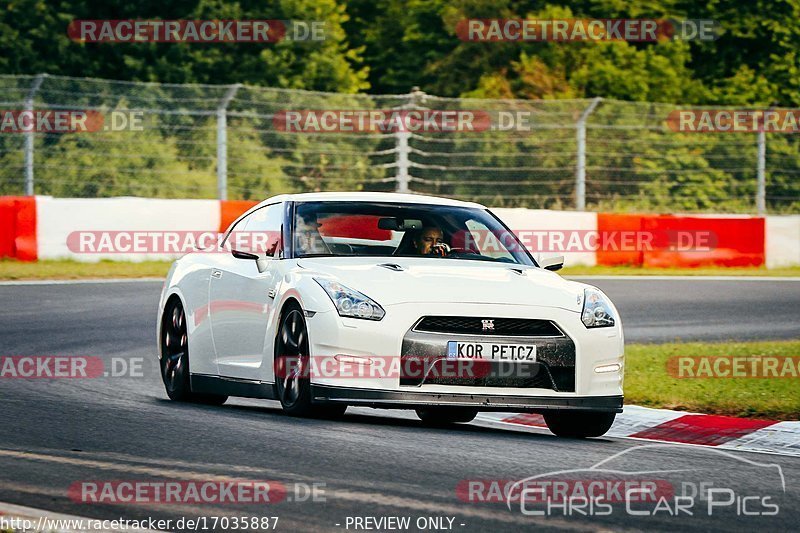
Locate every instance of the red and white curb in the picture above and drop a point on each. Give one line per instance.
(17, 518)
(724, 432)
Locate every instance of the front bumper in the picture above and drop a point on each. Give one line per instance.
(483, 402)
(331, 335)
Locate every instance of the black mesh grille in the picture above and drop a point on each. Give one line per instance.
(509, 327)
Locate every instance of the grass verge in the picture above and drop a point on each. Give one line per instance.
(648, 383)
(18, 270)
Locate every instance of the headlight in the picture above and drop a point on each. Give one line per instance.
(597, 311)
(351, 303)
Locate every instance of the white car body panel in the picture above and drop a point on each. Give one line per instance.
(232, 319)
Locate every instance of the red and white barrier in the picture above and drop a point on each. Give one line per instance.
(57, 218)
(783, 241)
(688, 241)
(18, 227)
(663, 425)
(40, 228)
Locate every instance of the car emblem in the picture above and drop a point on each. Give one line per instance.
(487, 324)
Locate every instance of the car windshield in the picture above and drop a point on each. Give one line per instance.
(403, 230)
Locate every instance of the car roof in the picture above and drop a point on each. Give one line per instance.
(389, 197)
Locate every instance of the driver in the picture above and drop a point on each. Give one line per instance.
(308, 239)
(430, 241)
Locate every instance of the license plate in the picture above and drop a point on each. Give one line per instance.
(491, 351)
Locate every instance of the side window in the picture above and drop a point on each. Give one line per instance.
(235, 239)
(487, 242)
(263, 230)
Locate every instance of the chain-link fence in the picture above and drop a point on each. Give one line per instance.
(219, 141)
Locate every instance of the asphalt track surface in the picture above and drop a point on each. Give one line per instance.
(371, 463)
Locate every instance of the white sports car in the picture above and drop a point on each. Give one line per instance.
(325, 300)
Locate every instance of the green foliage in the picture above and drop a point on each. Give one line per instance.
(388, 47)
(33, 39)
(90, 165)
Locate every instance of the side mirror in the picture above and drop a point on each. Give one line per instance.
(262, 263)
(244, 255)
(552, 263)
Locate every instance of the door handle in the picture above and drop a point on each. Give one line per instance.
(216, 274)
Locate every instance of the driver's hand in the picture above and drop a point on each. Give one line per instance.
(440, 249)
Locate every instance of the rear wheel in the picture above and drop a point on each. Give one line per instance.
(579, 424)
(443, 416)
(292, 368)
(175, 358)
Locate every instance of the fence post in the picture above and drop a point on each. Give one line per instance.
(761, 188)
(401, 145)
(222, 142)
(580, 169)
(29, 135)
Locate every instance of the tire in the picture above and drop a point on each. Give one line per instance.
(175, 358)
(445, 416)
(292, 368)
(579, 424)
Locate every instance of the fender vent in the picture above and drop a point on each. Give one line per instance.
(392, 266)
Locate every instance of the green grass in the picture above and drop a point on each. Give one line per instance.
(707, 271)
(18, 270)
(648, 383)
(66, 269)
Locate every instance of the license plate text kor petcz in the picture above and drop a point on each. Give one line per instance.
(491, 351)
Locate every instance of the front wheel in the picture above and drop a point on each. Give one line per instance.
(444, 416)
(579, 424)
(292, 368)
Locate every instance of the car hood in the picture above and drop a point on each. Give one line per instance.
(391, 281)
